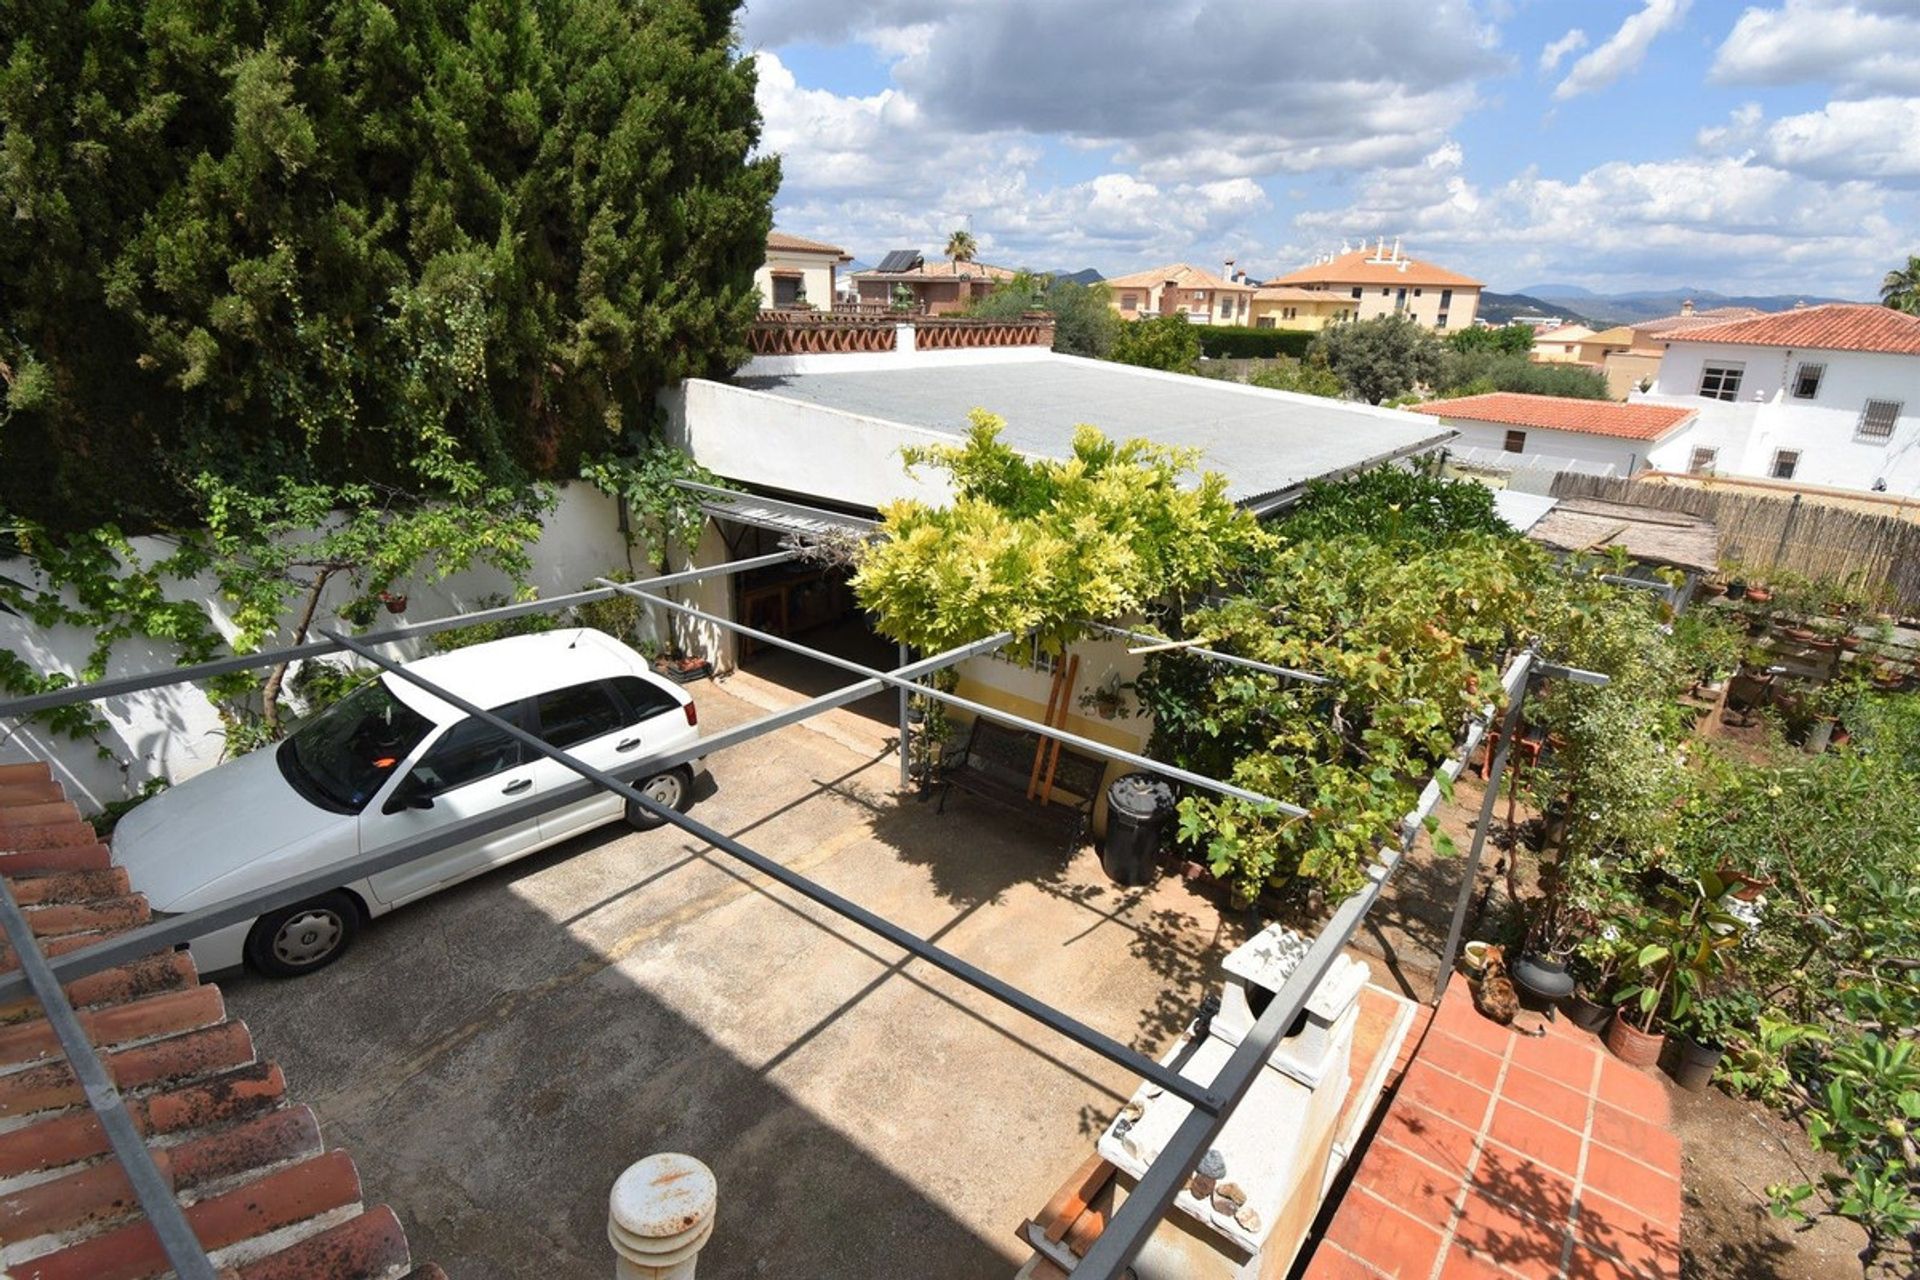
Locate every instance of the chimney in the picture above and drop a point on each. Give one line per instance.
(1228, 273)
(1380, 250)
(1686, 308)
(1800, 304)
(1396, 248)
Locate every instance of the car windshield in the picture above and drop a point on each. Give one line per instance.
(341, 757)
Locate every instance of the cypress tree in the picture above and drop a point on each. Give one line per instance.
(326, 239)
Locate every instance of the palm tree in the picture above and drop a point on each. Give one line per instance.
(961, 248)
(1899, 290)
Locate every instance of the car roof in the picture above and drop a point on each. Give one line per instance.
(497, 672)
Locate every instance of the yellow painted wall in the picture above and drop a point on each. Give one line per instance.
(1023, 692)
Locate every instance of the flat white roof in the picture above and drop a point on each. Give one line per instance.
(1265, 442)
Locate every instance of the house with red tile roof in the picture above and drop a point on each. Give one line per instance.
(1382, 281)
(934, 288)
(799, 272)
(1179, 288)
(1825, 395)
(1506, 431)
(248, 1165)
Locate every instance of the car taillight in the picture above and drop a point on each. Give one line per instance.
(693, 714)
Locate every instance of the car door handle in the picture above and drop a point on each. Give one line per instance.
(515, 787)
(626, 744)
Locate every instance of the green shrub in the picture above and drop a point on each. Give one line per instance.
(1239, 342)
(1478, 371)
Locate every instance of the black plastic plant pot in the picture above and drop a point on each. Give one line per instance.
(1586, 1014)
(1693, 1063)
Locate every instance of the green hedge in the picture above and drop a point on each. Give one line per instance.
(1238, 342)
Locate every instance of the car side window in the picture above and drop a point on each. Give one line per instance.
(572, 715)
(643, 698)
(468, 752)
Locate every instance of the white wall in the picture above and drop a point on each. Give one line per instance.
(763, 439)
(1625, 456)
(173, 732)
(1767, 417)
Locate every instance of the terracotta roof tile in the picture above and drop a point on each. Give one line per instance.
(941, 270)
(1694, 320)
(76, 1135)
(1361, 267)
(780, 241)
(1836, 326)
(1182, 275)
(370, 1245)
(1561, 413)
(266, 1196)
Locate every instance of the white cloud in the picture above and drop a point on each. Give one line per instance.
(873, 172)
(1732, 223)
(1740, 130)
(1863, 46)
(1566, 44)
(1871, 138)
(1183, 91)
(1624, 49)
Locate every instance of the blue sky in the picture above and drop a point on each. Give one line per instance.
(1614, 144)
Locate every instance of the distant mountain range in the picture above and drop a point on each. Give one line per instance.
(1588, 307)
(1502, 308)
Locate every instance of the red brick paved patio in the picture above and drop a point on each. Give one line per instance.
(1504, 1155)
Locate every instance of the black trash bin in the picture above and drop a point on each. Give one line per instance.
(1139, 806)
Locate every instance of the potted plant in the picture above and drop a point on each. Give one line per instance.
(1701, 1035)
(395, 601)
(1684, 945)
(1107, 699)
(681, 667)
(1758, 594)
(1596, 959)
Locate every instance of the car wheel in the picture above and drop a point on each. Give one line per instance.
(671, 789)
(306, 936)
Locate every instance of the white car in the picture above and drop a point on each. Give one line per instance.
(389, 761)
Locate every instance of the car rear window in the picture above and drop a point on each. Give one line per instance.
(578, 713)
(643, 697)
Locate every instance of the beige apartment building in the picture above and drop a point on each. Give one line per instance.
(1382, 281)
(1179, 289)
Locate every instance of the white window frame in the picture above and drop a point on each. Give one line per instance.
(1808, 368)
(1703, 460)
(1793, 467)
(1863, 433)
(1719, 370)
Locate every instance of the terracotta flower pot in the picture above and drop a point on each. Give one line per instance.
(1759, 595)
(1630, 1044)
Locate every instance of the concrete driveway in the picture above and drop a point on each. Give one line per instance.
(495, 1055)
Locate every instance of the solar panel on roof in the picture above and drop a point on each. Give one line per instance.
(898, 260)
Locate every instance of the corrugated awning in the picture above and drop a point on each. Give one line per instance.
(776, 514)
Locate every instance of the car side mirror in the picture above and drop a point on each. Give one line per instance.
(408, 795)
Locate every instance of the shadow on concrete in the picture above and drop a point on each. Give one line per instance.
(494, 1109)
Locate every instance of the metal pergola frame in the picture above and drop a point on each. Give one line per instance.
(1211, 1103)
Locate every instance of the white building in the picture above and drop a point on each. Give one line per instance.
(1523, 441)
(1826, 395)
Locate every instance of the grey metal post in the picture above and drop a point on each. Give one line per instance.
(906, 770)
(1495, 772)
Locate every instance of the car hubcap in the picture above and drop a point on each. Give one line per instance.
(309, 936)
(664, 790)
